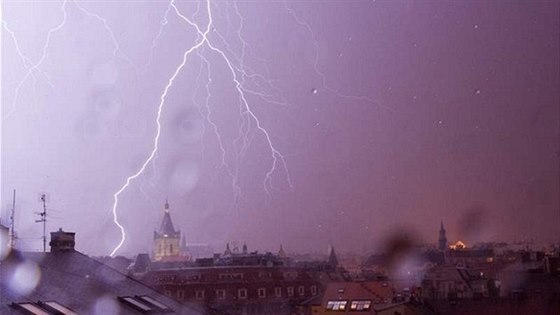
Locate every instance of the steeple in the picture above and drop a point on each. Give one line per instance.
(333, 260)
(281, 252)
(244, 248)
(442, 241)
(228, 251)
(166, 228)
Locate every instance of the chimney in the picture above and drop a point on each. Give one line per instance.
(62, 241)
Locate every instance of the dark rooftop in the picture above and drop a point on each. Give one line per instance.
(79, 283)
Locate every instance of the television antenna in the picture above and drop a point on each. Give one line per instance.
(43, 219)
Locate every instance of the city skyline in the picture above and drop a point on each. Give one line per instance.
(290, 123)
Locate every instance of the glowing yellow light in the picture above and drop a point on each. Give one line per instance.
(458, 245)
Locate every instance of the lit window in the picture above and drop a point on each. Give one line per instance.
(136, 304)
(301, 290)
(242, 293)
(360, 305)
(278, 291)
(57, 308)
(199, 294)
(155, 303)
(337, 305)
(314, 290)
(290, 291)
(262, 292)
(32, 308)
(221, 294)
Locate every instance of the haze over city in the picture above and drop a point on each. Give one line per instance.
(295, 123)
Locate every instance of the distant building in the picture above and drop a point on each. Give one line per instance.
(368, 297)
(64, 281)
(469, 257)
(240, 283)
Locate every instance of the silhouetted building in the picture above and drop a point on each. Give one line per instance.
(333, 260)
(62, 241)
(442, 241)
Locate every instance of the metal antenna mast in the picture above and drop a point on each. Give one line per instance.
(44, 220)
(13, 222)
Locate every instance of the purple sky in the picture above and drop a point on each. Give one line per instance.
(389, 116)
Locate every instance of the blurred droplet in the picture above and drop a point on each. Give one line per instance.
(106, 305)
(477, 91)
(25, 278)
(4, 243)
(90, 128)
(314, 91)
(106, 104)
(471, 222)
(104, 74)
(189, 127)
(184, 177)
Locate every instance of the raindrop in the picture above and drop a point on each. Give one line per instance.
(106, 305)
(477, 91)
(314, 91)
(25, 278)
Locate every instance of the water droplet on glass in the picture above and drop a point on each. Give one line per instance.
(314, 91)
(477, 91)
(25, 278)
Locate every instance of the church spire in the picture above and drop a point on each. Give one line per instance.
(333, 260)
(281, 252)
(442, 241)
(166, 228)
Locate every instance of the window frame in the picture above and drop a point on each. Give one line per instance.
(263, 295)
(221, 294)
(199, 294)
(243, 296)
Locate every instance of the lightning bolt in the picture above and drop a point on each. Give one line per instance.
(163, 22)
(247, 116)
(158, 129)
(208, 117)
(117, 52)
(246, 81)
(31, 67)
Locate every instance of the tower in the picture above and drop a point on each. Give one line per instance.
(333, 260)
(166, 240)
(442, 242)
